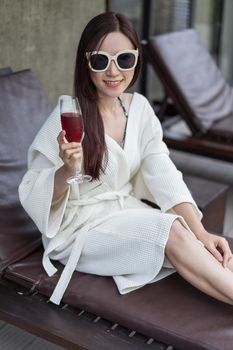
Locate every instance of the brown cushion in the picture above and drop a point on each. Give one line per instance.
(171, 310)
(18, 235)
(199, 88)
(23, 109)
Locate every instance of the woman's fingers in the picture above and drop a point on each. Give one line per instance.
(61, 137)
(71, 153)
(214, 251)
(223, 246)
(71, 156)
(220, 249)
(70, 146)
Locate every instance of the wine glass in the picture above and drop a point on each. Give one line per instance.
(72, 123)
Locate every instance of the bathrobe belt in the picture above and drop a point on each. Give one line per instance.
(79, 240)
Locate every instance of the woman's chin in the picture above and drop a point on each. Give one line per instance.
(113, 91)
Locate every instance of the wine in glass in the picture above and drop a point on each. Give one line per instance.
(72, 123)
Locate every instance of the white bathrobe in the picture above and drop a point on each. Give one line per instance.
(102, 227)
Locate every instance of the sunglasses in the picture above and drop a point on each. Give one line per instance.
(99, 61)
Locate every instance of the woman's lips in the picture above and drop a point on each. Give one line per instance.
(112, 83)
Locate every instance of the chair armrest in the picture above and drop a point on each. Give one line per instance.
(199, 145)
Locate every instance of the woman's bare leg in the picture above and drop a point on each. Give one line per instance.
(197, 265)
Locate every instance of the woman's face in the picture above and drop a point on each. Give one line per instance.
(113, 81)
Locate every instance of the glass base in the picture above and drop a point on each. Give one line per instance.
(78, 179)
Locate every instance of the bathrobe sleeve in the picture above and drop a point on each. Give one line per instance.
(160, 175)
(36, 188)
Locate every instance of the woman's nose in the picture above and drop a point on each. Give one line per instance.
(112, 69)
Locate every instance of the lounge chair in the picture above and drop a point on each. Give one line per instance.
(92, 315)
(201, 96)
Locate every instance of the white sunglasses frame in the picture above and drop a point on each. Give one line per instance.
(112, 58)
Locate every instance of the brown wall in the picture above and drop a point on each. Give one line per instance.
(43, 35)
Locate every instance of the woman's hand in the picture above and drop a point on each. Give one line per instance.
(71, 153)
(218, 247)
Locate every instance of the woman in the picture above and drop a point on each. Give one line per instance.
(102, 227)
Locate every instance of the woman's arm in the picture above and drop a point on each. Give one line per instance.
(187, 211)
(218, 246)
(60, 184)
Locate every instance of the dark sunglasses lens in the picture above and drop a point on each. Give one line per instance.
(126, 60)
(98, 61)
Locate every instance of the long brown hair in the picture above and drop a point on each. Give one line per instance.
(94, 147)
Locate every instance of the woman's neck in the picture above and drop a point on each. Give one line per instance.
(108, 104)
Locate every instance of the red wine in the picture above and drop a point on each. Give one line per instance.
(73, 126)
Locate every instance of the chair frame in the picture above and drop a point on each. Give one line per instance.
(200, 142)
(74, 329)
